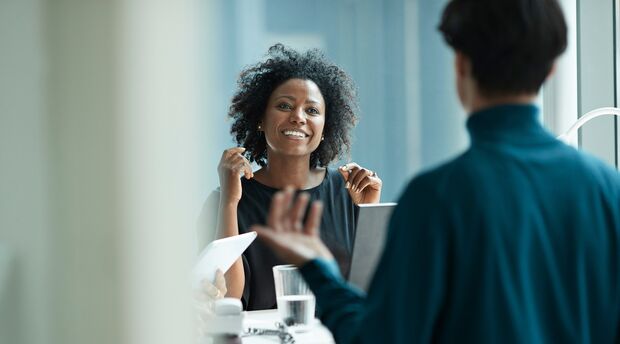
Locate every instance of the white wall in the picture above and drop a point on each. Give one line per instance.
(81, 114)
(101, 148)
(561, 105)
(596, 58)
(24, 225)
(160, 149)
(584, 78)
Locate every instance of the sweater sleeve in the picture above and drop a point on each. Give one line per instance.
(340, 306)
(406, 295)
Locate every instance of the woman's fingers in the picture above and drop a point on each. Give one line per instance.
(360, 176)
(346, 170)
(354, 178)
(220, 282)
(357, 177)
(247, 169)
(211, 290)
(364, 183)
(350, 182)
(350, 166)
(232, 151)
(240, 165)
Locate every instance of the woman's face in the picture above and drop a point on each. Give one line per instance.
(294, 119)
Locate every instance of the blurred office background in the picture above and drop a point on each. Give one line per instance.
(410, 116)
(394, 54)
(113, 119)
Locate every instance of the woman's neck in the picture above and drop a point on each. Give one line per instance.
(283, 171)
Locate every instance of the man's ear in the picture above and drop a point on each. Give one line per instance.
(462, 65)
(551, 71)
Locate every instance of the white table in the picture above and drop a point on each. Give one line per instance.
(317, 334)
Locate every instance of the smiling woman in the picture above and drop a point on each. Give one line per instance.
(256, 84)
(294, 120)
(293, 114)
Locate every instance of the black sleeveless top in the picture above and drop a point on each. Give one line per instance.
(337, 232)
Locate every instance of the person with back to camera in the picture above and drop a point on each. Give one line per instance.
(517, 240)
(293, 115)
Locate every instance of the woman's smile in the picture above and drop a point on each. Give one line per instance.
(295, 134)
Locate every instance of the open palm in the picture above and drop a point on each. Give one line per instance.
(294, 242)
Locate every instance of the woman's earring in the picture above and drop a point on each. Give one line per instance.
(259, 127)
(322, 138)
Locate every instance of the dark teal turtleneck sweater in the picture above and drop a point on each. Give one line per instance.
(515, 241)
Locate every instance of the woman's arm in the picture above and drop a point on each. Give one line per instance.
(232, 164)
(227, 226)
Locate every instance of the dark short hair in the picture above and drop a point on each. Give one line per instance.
(512, 44)
(257, 82)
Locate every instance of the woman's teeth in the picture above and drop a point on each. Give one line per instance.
(294, 133)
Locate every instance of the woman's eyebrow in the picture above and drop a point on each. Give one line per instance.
(288, 97)
(311, 101)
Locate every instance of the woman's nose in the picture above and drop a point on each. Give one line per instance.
(298, 116)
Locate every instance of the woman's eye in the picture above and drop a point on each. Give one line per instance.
(284, 106)
(313, 111)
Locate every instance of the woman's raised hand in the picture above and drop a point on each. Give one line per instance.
(232, 165)
(364, 185)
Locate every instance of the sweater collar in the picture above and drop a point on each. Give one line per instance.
(510, 123)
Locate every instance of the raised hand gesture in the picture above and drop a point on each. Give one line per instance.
(293, 241)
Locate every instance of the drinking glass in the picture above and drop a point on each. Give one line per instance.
(296, 302)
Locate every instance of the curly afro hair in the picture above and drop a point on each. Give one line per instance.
(257, 82)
